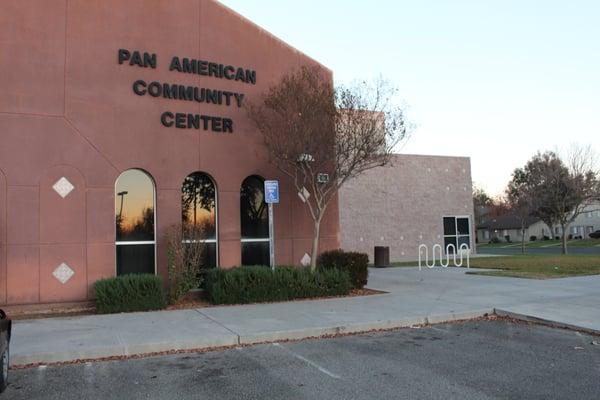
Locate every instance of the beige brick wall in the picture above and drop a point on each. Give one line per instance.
(402, 204)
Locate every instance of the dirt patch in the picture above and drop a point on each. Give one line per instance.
(49, 311)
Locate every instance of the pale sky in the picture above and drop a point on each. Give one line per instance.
(492, 80)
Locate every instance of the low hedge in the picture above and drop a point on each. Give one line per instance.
(127, 293)
(258, 284)
(356, 264)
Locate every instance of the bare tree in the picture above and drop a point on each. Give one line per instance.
(561, 192)
(581, 160)
(320, 136)
(185, 253)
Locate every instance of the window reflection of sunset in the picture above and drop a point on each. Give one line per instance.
(198, 203)
(205, 220)
(139, 197)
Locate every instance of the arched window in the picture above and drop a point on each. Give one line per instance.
(199, 214)
(255, 222)
(135, 223)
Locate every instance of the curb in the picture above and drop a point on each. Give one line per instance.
(234, 340)
(230, 341)
(18, 360)
(542, 321)
(443, 318)
(269, 337)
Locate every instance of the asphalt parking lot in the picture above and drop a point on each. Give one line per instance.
(472, 360)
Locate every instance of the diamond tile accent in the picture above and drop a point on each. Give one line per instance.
(63, 273)
(305, 261)
(304, 194)
(63, 187)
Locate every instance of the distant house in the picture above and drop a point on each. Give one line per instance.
(510, 225)
(585, 223)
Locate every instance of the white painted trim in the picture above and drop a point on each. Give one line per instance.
(255, 240)
(132, 243)
(199, 241)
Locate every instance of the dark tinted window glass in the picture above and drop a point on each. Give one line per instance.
(463, 226)
(255, 253)
(464, 240)
(209, 257)
(449, 226)
(253, 209)
(135, 259)
(134, 207)
(450, 241)
(198, 205)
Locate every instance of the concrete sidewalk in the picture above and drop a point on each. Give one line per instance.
(415, 297)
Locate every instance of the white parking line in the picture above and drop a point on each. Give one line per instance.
(306, 360)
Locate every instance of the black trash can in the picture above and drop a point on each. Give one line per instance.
(381, 257)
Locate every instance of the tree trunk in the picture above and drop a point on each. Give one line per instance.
(522, 239)
(564, 239)
(315, 245)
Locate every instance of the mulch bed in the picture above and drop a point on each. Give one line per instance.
(201, 303)
(193, 302)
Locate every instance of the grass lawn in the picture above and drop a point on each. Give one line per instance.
(533, 266)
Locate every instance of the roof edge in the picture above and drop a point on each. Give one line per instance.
(429, 156)
(263, 30)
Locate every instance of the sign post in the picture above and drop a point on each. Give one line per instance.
(271, 197)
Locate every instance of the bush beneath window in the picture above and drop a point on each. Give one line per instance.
(494, 240)
(128, 293)
(258, 284)
(532, 238)
(356, 264)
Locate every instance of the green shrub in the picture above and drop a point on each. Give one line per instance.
(127, 293)
(356, 264)
(494, 240)
(259, 284)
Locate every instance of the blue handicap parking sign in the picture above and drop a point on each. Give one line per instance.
(271, 192)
